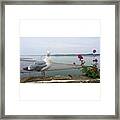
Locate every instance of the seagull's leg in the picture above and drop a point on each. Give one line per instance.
(43, 73)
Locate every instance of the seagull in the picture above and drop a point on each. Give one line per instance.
(47, 60)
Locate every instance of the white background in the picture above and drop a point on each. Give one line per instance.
(95, 99)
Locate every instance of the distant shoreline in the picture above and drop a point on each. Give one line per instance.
(64, 55)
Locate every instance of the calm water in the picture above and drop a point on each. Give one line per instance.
(59, 59)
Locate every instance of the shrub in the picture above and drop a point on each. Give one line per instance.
(91, 71)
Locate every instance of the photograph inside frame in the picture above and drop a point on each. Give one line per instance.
(60, 59)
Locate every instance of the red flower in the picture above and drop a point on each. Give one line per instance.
(80, 56)
(94, 51)
(95, 60)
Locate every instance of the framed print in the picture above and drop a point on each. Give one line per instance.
(59, 59)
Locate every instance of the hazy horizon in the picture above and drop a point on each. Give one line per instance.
(59, 45)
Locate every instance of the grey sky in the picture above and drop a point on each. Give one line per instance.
(58, 45)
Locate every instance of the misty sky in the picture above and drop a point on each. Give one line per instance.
(58, 45)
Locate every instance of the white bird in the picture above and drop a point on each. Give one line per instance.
(47, 61)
